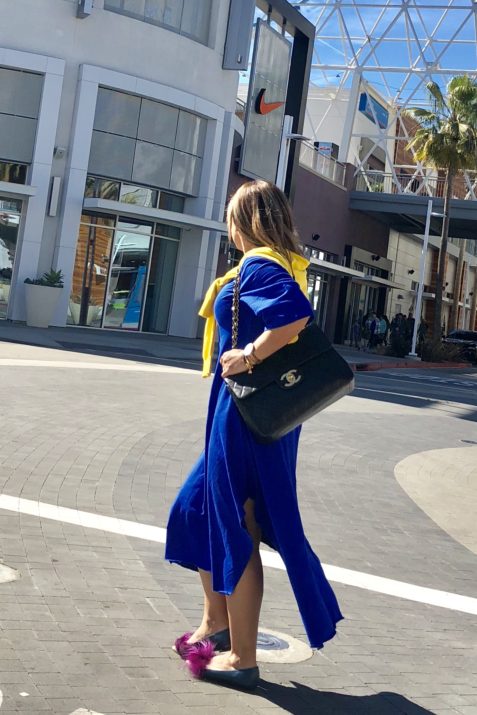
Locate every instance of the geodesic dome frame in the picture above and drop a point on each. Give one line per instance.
(394, 47)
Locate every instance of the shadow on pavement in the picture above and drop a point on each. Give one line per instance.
(420, 402)
(303, 700)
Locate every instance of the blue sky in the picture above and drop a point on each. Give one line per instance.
(406, 40)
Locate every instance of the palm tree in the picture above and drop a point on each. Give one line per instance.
(446, 139)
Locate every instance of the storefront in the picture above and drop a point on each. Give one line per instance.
(114, 164)
(10, 216)
(124, 274)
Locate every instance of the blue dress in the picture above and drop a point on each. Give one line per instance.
(206, 524)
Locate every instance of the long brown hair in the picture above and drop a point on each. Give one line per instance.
(262, 214)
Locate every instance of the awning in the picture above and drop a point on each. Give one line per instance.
(382, 281)
(172, 218)
(16, 191)
(336, 268)
(356, 276)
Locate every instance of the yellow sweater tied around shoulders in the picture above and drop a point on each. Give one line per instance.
(296, 267)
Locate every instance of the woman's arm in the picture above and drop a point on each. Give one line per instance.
(266, 344)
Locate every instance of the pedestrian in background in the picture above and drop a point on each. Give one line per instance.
(356, 333)
(242, 492)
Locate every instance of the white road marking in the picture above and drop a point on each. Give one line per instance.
(358, 579)
(422, 378)
(398, 394)
(132, 367)
(1, 698)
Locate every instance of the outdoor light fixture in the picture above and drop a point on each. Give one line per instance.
(375, 257)
(315, 237)
(411, 271)
(400, 297)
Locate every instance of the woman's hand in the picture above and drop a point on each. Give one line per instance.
(232, 362)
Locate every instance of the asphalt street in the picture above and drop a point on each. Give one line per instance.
(93, 449)
(438, 388)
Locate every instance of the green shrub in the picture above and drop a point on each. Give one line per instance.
(52, 279)
(433, 350)
(398, 346)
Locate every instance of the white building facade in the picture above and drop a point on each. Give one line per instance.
(116, 133)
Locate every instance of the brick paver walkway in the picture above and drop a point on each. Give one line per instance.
(90, 622)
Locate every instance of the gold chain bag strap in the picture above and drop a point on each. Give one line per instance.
(235, 310)
(291, 385)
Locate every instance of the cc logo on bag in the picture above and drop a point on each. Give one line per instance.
(290, 378)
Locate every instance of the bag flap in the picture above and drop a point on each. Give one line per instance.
(312, 342)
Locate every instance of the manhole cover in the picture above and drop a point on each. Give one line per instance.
(274, 647)
(7, 574)
(265, 641)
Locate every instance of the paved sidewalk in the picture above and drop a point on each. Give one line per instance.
(89, 623)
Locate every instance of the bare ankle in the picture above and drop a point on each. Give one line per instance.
(244, 660)
(212, 625)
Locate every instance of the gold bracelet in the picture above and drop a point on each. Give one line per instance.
(255, 357)
(248, 364)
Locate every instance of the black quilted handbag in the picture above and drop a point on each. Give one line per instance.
(291, 385)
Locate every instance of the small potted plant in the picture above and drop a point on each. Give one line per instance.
(42, 296)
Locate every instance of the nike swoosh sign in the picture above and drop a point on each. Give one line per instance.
(263, 107)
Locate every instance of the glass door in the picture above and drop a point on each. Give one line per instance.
(128, 276)
(10, 211)
(161, 279)
(318, 295)
(91, 269)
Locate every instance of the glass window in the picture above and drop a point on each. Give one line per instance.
(196, 19)
(164, 230)
(164, 12)
(152, 164)
(185, 173)
(107, 189)
(171, 202)
(188, 17)
(20, 93)
(138, 195)
(16, 173)
(161, 283)
(158, 123)
(190, 133)
(111, 155)
(127, 280)
(90, 272)
(101, 188)
(9, 223)
(117, 112)
(17, 138)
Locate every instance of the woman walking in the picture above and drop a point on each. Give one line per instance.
(242, 492)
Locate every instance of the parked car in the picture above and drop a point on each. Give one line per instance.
(467, 340)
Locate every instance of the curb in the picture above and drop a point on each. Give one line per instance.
(369, 366)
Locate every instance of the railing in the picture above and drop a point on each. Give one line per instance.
(324, 165)
(240, 106)
(408, 182)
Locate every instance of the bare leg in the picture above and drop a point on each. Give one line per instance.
(244, 607)
(215, 617)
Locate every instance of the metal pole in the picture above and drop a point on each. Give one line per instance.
(464, 297)
(420, 290)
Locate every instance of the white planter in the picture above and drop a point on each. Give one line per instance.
(41, 302)
(94, 312)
